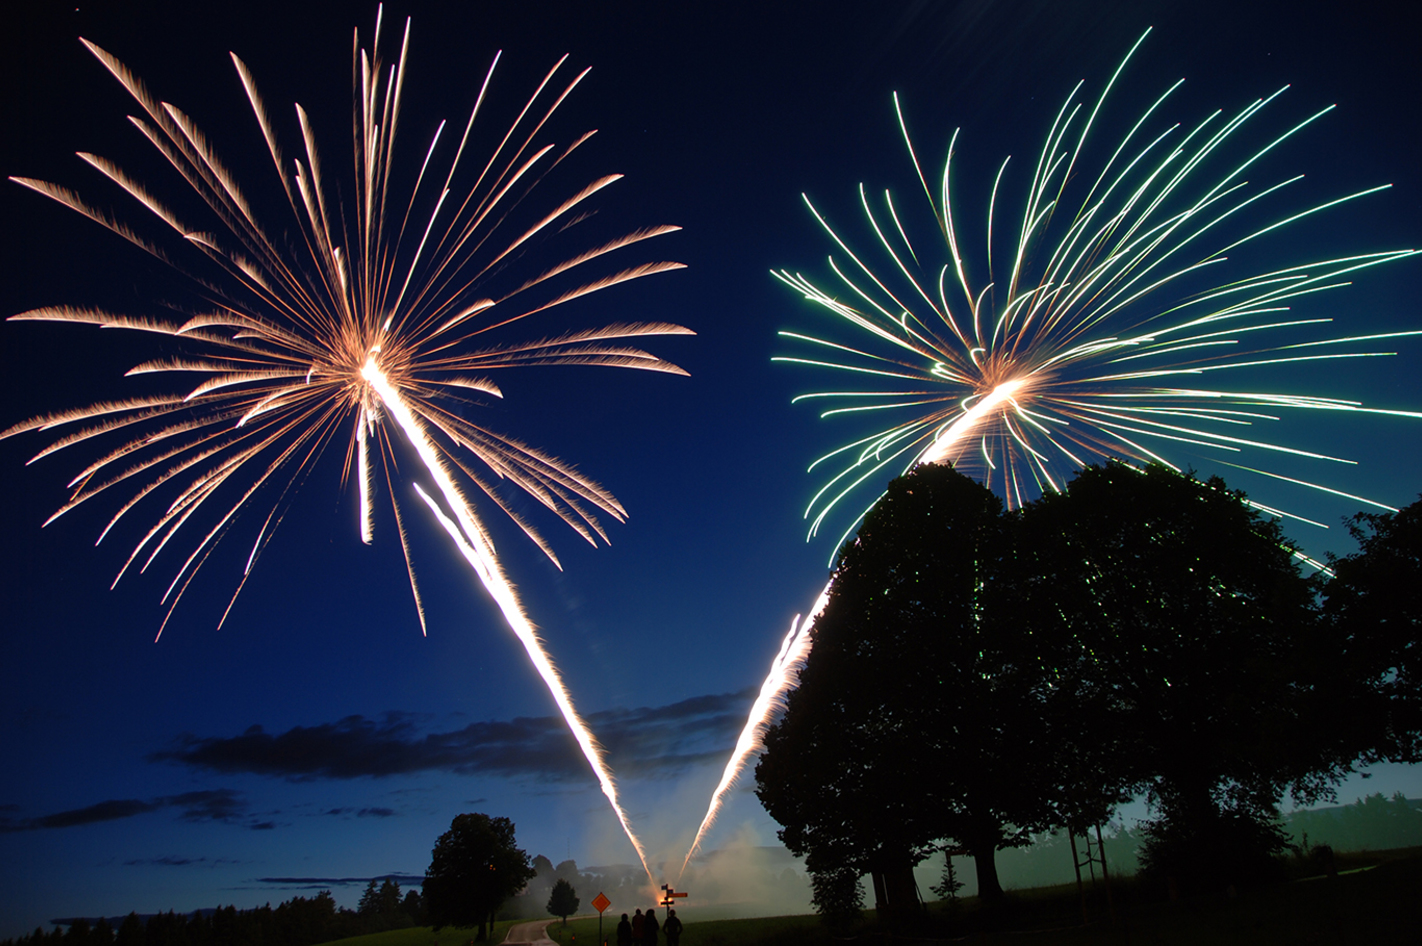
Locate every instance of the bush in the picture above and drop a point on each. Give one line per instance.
(1225, 848)
(837, 897)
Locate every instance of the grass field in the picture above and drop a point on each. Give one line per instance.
(774, 929)
(1376, 899)
(424, 936)
(1378, 905)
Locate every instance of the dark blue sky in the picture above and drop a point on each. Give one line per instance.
(134, 775)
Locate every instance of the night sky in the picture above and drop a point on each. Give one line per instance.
(318, 739)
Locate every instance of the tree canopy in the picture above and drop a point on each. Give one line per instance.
(979, 674)
(381, 900)
(474, 868)
(1186, 604)
(1374, 603)
(918, 716)
(1185, 609)
(563, 901)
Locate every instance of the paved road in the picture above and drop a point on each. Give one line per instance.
(528, 933)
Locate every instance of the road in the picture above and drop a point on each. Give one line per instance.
(528, 933)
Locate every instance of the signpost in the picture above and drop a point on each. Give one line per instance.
(669, 895)
(601, 903)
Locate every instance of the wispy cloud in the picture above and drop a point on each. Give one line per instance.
(221, 804)
(647, 742)
(172, 860)
(323, 883)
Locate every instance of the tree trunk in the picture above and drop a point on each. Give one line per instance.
(881, 895)
(985, 860)
(895, 892)
(902, 891)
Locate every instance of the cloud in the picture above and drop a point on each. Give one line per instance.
(323, 883)
(361, 812)
(171, 860)
(222, 804)
(647, 742)
(103, 811)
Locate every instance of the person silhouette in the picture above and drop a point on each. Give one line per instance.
(672, 929)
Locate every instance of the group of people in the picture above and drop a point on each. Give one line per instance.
(643, 928)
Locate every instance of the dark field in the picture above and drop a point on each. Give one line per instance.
(1376, 899)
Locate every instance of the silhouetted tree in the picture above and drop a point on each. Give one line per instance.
(837, 896)
(301, 920)
(568, 870)
(1374, 603)
(166, 929)
(78, 933)
(413, 907)
(130, 931)
(475, 867)
(978, 675)
(381, 904)
(369, 904)
(919, 715)
(1184, 610)
(563, 901)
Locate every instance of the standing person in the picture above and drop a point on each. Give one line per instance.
(639, 926)
(672, 929)
(649, 928)
(624, 932)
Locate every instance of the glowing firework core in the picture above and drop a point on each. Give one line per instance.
(942, 446)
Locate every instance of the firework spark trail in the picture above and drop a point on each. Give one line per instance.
(473, 542)
(344, 327)
(944, 444)
(795, 649)
(1064, 358)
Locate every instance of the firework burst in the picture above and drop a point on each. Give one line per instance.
(1091, 327)
(1073, 343)
(379, 330)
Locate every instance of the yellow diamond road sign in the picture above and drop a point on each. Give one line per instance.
(601, 902)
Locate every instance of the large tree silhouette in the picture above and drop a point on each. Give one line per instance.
(563, 901)
(919, 715)
(978, 675)
(475, 867)
(1192, 628)
(1374, 605)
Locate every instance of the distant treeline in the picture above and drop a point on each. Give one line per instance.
(532, 902)
(1374, 823)
(300, 921)
(303, 921)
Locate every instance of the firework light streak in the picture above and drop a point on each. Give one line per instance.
(360, 335)
(470, 537)
(795, 649)
(1061, 359)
